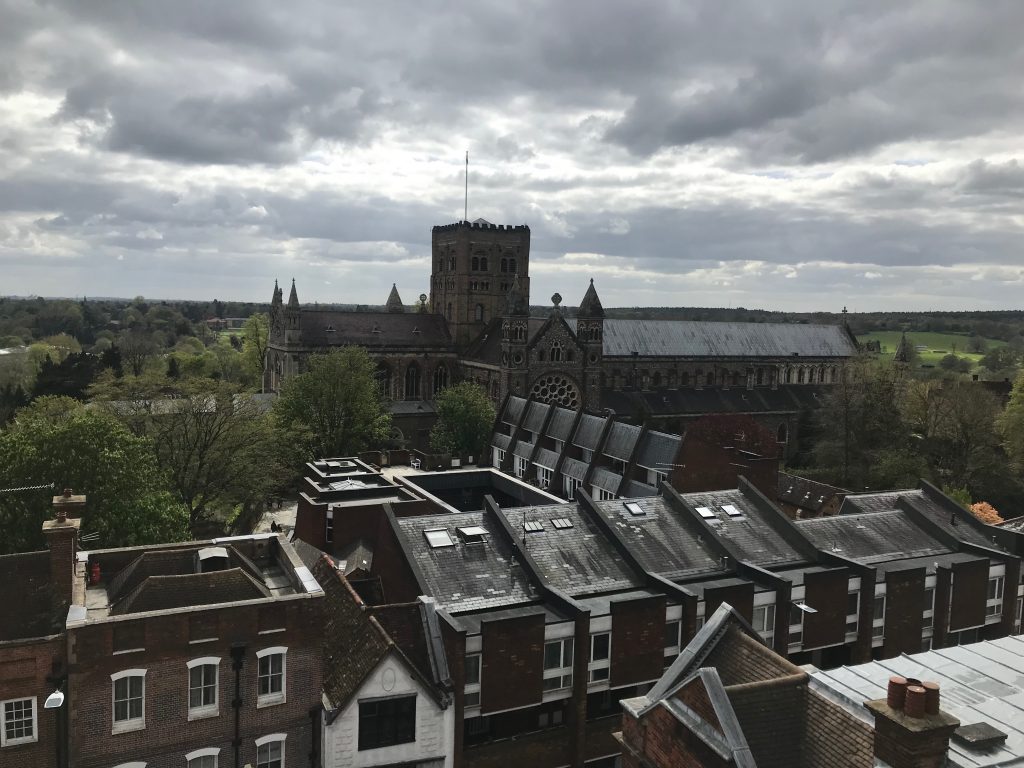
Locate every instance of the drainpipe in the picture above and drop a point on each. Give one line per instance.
(237, 662)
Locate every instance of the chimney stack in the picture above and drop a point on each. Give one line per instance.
(62, 539)
(910, 729)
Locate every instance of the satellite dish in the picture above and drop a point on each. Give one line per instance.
(54, 700)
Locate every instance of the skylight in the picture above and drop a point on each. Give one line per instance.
(472, 534)
(634, 509)
(561, 523)
(533, 526)
(438, 537)
(706, 513)
(731, 511)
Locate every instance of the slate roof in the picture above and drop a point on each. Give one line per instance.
(466, 577)
(513, 410)
(872, 537)
(574, 468)
(697, 338)
(375, 329)
(579, 560)
(561, 424)
(502, 441)
(788, 398)
(546, 458)
(486, 348)
(750, 536)
(657, 450)
(29, 609)
(979, 683)
(804, 493)
(606, 479)
(588, 432)
(660, 540)
(621, 440)
(161, 593)
(535, 415)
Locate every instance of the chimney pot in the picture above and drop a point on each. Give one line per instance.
(931, 697)
(897, 692)
(67, 493)
(914, 704)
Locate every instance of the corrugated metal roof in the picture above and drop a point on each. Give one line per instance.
(979, 683)
(501, 441)
(696, 338)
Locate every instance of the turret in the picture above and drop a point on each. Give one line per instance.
(293, 297)
(394, 302)
(590, 334)
(292, 316)
(514, 337)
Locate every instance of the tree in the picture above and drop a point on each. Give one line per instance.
(336, 404)
(215, 445)
(256, 340)
(986, 513)
(137, 348)
(999, 359)
(58, 440)
(975, 344)
(465, 418)
(956, 363)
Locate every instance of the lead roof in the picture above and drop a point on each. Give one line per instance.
(374, 329)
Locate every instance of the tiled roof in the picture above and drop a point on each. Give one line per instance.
(750, 535)
(561, 424)
(578, 560)
(374, 329)
(869, 538)
(467, 577)
(661, 541)
(621, 440)
(804, 493)
(696, 338)
(161, 593)
(588, 432)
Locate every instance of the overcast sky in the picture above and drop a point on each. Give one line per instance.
(782, 155)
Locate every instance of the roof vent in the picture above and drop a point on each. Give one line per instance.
(979, 736)
(416, 330)
(211, 559)
(634, 509)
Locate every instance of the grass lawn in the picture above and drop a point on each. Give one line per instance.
(936, 345)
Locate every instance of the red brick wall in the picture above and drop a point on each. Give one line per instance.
(638, 640)
(169, 734)
(512, 663)
(834, 737)
(24, 668)
(661, 740)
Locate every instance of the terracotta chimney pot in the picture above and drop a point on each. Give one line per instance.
(914, 704)
(931, 697)
(897, 692)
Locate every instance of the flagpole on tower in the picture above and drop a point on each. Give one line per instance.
(465, 211)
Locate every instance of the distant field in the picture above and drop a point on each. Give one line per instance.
(938, 345)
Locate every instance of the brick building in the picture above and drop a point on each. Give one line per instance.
(551, 613)
(730, 701)
(201, 654)
(477, 324)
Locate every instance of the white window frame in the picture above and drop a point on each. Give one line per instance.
(521, 466)
(204, 710)
(264, 740)
(277, 697)
(928, 614)
(472, 690)
(853, 619)
(600, 494)
(994, 605)
(543, 476)
(570, 484)
(131, 723)
(878, 624)
(563, 673)
(763, 621)
(6, 742)
(329, 526)
(602, 667)
(198, 754)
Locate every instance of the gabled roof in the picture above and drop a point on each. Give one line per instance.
(699, 338)
(394, 302)
(804, 493)
(591, 304)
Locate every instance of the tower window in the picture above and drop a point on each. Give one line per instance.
(504, 265)
(479, 312)
(483, 263)
(412, 382)
(476, 263)
(512, 266)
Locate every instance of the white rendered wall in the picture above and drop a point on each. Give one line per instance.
(435, 728)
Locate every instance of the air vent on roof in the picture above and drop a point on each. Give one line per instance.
(211, 559)
(706, 513)
(438, 537)
(472, 534)
(561, 523)
(415, 329)
(731, 511)
(634, 509)
(329, 329)
(376, 329)
(533, 526)
(979, 736)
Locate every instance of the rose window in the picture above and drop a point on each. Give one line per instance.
(556, 389)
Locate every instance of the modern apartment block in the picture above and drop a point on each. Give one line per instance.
(200, 654)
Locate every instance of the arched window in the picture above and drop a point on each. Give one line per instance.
(800, 376)
(783, 433)
(512, 266)
(412, 382)
(657, 379)
(684, 379)
(451, 264)
(479, 312)
(556, 353)
(504, 265)
(448, 311)
(495, 390)
(709, 380)
(483, 263)
(440, 378)
(760, 376)
(788, 376)
(476, 263)
(540, 355)
(383, 377)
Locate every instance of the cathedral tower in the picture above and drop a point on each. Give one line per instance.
(515, 334)
(473, 267)
(590, 335)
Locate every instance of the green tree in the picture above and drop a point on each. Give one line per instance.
(58, 440)
(465, 418)
(255, 343)
(999, 359)
(1010, 425)
(336, 404)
